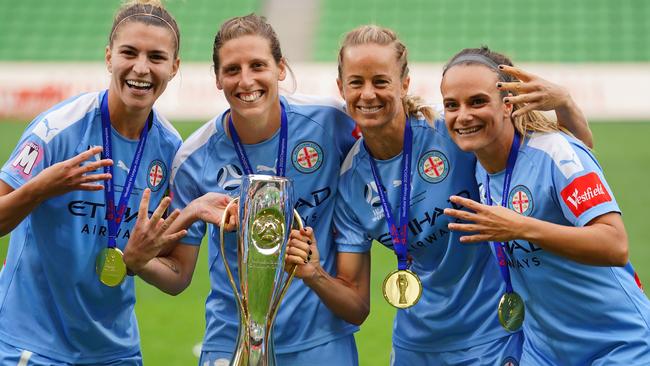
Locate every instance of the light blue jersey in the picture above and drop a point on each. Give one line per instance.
(461, 283)
(51, 300)
(319, 136)
(576, 314)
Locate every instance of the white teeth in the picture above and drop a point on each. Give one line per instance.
(464, 131)
(139, 84)
(369, 109)
(250, 97)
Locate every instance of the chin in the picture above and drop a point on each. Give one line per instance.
(465, 144)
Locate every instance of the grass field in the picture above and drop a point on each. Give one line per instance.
(171, 326)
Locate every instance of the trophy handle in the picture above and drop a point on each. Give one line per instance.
(224, 219)
(298, 224)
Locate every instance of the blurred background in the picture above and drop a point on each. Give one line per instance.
(599, 49)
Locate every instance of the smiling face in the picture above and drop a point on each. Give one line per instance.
(142, 61)
(249, 76)
(371, 84)
(476, 117)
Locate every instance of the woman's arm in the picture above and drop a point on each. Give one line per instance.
(348, 293)
(60, 178)
(155, 251)
(602, 242)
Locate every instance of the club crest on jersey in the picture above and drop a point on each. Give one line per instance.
(510, 361)
(229, 177)
(433, 166)
(157, 175)
(520, 200)
(307, 157)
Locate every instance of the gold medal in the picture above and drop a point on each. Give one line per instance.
(110, 267)
(402, 288)
(511, 311)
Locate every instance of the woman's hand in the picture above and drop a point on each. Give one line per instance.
(211, 207)
(533, 91)
(489, 223)
(71, 175)
(302, 251)
(539, 94)
(149, 237)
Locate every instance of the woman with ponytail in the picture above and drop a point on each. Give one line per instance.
(394, 185)
(550, 216)
(77, 225)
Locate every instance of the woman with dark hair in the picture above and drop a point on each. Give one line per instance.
(303, 138)
(64, 295)
(552, 218)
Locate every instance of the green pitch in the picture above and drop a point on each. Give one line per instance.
(171, 326)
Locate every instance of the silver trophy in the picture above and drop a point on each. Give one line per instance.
(266, 216)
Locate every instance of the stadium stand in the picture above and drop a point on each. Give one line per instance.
(528, 30)
(74, 30)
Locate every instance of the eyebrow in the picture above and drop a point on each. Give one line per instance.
(132, 48)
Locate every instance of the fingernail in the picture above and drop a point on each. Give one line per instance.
(308, 258)
(498, 85)
(306, 261)
(309, 242)
(309, 251)
(506, 100)
(500, 67)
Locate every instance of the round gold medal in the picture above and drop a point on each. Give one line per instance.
(511, 311)
(110, 267)
(402, 288)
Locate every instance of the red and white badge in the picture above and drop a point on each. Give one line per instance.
(584, 193)
(521, 200)
(307, 157)
(157, 175)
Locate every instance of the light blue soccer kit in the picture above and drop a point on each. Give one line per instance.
(319, 136)
(455, 321)
(576, 314)
(52, 303)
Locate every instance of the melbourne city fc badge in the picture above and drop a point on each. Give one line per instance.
(307, 157)
(433, 166)
(521, 200)
(510, 361)
(157, 175)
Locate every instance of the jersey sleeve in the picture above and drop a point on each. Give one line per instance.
(580, 186)
(184, 189)
(349, 234)
(31, 155)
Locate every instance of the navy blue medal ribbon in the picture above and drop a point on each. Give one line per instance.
(115, 215)
(498, 246)
(281, 163)
(398, 235)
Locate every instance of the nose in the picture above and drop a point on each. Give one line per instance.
(464, 114)
(367, 91)
(246, 79)
(141, 66)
